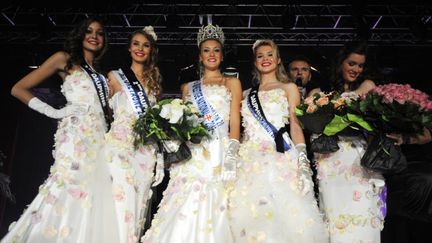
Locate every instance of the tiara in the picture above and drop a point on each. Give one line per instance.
(150, 30)
(257, 42)
(210, 32)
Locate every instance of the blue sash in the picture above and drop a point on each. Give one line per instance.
(134, 90)
(102, 90)
(255, 108)
(212, 120)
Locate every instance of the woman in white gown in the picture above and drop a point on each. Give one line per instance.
(272, 199)
(351, 196)
(74, 205)
(135, 89)
(194, 205)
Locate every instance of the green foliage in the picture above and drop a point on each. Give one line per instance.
(151, 127)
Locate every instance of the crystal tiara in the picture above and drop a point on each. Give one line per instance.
(210, 32)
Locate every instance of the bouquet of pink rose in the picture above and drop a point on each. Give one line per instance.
(316, 111)
(395, 108)
(392, 108)
(328, 114)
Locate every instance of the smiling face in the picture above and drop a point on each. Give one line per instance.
(353, 66)
(94, 37)
(266, 60)
(140, 48)
(210, 54)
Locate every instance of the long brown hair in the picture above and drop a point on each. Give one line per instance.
(281, 74)
(74, 44)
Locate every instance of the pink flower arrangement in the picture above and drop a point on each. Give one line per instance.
(319, 109)
(403, 93)
(395, 108)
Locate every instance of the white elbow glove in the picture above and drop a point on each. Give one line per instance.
(229, 164)
(42, 107)
(159, 173)
(305, 183)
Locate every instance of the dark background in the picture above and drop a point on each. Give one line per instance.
(400, 51)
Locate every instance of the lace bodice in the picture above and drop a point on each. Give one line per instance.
(275, 106)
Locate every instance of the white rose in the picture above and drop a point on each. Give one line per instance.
(173, 112)
(193, 119)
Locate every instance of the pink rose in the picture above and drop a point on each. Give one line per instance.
(128, 217)
(322, 101)
(77, 193)
(357, 196)
(311, 108)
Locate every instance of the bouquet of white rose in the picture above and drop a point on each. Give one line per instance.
(169, 125)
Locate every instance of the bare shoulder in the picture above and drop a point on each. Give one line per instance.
(366, 86)
(112, 77)
(61, 57)
(232, 81)
(113, 83)
(184, 86)
(234, 85)
(58, 60)
(184, 89)
(289, 87)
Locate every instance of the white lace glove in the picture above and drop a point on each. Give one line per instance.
(42, 107)
(159, 173)
(229, 164)
(305, 183)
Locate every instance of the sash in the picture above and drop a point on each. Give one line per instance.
(102, 90)
(134, 90)
(212, 120)
(254, 106)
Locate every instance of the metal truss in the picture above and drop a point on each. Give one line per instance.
(176, 22)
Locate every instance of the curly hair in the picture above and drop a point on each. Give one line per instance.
(74, 44)
(151, 71)
(357, 47)
(281, 74)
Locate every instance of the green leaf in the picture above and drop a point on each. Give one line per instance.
(359, 120)
(299, 112)
(337, 124)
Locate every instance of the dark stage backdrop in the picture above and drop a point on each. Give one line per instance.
(27, 137)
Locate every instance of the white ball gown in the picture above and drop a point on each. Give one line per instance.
(351, 196)
(131, 170)
(193, 207)
(265, 204)
(74, 204)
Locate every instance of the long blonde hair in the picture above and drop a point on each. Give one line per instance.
(281, 74)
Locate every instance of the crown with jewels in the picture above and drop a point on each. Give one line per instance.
(210, 32)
